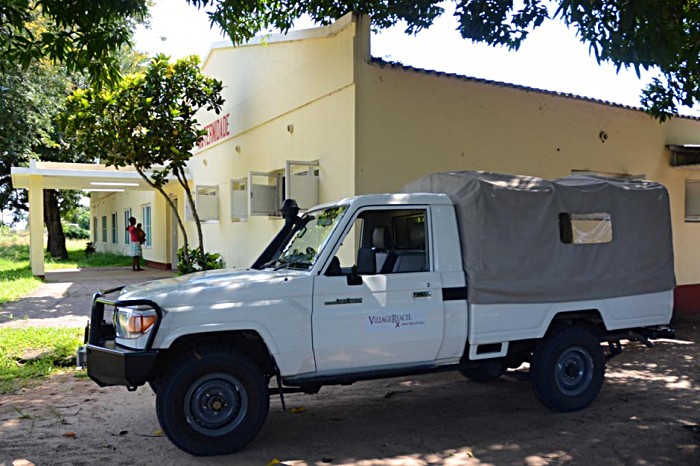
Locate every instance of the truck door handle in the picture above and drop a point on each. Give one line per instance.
(421, 294)
(344, 301)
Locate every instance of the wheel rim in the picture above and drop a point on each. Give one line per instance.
(216, 404)
(574, 371)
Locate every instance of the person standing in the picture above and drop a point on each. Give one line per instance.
(135, 245)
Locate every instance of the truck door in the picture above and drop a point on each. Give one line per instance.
(378, 302)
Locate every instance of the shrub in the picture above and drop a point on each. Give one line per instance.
(89, 248)
(75, 232)
(210, 261)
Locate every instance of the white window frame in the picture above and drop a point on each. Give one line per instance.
(206, 201)
(127, 216)
(298, 180)
(301, 185)
(263, 198)
(146, 223)
(104, 228)
(692, 201)
(115, 235)
(239, 200)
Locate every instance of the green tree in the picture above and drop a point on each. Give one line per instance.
(663, 35)
(83, 36)
(148, 121)
(45, 45)
(29, 99)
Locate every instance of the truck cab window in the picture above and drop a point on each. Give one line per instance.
(384, 241)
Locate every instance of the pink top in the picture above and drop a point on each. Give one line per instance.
(132, 233)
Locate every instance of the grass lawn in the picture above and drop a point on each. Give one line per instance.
(16, 277)
(29, 354)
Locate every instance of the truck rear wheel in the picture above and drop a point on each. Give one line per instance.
(213, 402)
(567, 369)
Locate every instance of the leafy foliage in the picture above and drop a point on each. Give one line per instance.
(147, 121)
(90, 248)
(28, 101)
(83, 36)
(199, 262)
(75, 232)
(663, 35)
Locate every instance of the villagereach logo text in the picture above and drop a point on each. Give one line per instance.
(394, 320)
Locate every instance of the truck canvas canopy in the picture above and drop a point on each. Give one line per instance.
(577, 238)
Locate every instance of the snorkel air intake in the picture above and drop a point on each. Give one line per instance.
(290, 214)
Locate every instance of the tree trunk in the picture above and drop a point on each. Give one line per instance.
(52, 218)
(180, 174)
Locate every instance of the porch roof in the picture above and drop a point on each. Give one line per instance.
(83, 176)
(55, 175)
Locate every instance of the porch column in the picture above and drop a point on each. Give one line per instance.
(36, 224)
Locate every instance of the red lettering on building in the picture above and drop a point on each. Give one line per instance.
(216, 131)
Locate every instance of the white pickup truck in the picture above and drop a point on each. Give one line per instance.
(467, 271)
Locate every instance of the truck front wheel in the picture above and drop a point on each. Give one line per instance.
(567, 369)
(213, 402)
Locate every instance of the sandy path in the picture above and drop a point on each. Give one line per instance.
(644, 415)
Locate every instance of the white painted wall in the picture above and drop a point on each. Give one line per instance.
(374, 128)
(104, 204)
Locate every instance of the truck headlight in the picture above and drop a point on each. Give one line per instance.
(134, 322)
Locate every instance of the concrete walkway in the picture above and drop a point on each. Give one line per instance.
(65, 298)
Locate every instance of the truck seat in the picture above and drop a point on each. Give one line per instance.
(385, 257)
(410, 261)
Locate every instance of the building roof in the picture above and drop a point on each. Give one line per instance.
(345, 21)
(400, 66)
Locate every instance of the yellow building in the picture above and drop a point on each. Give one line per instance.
(312, 116)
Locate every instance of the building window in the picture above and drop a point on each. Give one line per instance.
(94, 229)
(692, 201)
(104, 228)
(146, 211)
(593, 228)
(114, 228)
(127, 216)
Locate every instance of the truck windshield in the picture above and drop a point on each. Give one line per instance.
(310, 238)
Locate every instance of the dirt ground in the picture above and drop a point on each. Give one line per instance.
(647, 413)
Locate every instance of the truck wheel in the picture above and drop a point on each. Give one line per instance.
(154, 386)
(213, 402)
(567, 369)
(484, 372)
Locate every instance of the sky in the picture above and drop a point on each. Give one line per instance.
(551, 58)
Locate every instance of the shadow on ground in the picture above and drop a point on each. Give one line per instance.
(645, 414)
(66, 295)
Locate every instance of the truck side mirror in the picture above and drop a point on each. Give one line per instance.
(354, 279)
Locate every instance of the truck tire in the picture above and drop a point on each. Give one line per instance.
(154, 386)
(213, 402)
(567, 369)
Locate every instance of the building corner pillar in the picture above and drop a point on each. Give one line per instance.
(36, 224)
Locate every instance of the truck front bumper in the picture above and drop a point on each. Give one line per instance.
(110, 364)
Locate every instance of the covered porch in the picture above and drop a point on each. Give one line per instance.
(75, 176)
